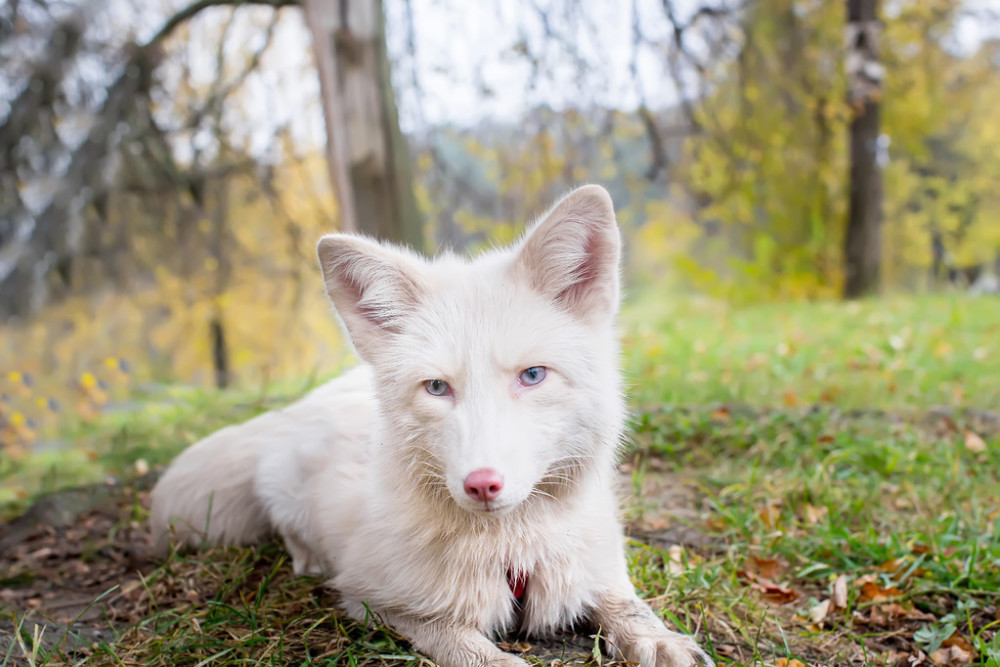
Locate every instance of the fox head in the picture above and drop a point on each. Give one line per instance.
(497, 378)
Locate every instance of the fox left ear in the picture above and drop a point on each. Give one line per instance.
(374, 288)
(572, 255)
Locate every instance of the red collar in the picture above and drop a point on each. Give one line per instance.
(518, 582)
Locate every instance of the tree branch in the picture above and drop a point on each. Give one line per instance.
(195, 8)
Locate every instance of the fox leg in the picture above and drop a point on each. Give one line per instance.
(451, 645)
(632, 628)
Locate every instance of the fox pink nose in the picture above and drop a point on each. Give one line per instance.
(484, 485)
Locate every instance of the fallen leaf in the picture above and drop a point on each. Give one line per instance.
(721, 414)
(948, 422)
(960, 656)
(41, 554)
(891, 565)
(791, 398)
(818, 613)
(789, 662)
(725, 649)
(958, 640)
(872, 592)
(815, 514)
(826, 437)
(885, 614)
(829, 395)
(514, 647)
(675, 560)
(130, 585)
(768, 568)
(771, 591)
(974, 443)
(839, 598)
(770, 515)
(951, 656)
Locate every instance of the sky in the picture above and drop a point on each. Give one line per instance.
(468, 62)
(465, 67)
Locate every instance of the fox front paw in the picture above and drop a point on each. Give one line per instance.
(507, 660)
(660, 647)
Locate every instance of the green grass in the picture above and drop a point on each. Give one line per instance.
(894, 353)
(803, 443)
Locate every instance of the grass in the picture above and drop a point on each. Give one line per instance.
(804, 449)
(894, 353)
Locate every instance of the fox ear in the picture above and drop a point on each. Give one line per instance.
(572, 255)
(372, 287)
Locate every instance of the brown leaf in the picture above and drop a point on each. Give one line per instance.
(726, 649)
(768, 568)
(891, 565)
(826, 437)
(951, 656)
(829, 395)
(884, 614)
(721, 414)
(948, 422)
(903, 659)
(515, 647)
(958, 640)
(974, 443)
(791, 398)
(770, 514)
(872, 592)
(770, 590)
(716, 523)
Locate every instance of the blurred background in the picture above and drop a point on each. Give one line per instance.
(166, 167)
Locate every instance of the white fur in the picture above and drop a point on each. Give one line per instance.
(363, 477)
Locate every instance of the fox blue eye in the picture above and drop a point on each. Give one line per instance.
(532, 376)
(437, 388)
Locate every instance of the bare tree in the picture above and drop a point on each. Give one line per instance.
(367, 154)
(862, 242)
(38, 244)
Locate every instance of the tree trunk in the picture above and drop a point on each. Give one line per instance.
(220, 353)
(368, 156)
(862, 242)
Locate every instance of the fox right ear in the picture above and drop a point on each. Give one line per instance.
(572, 255)
(371, 286)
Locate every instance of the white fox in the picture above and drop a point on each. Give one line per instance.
(461, 482)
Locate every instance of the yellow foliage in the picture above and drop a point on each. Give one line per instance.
(90, 351)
